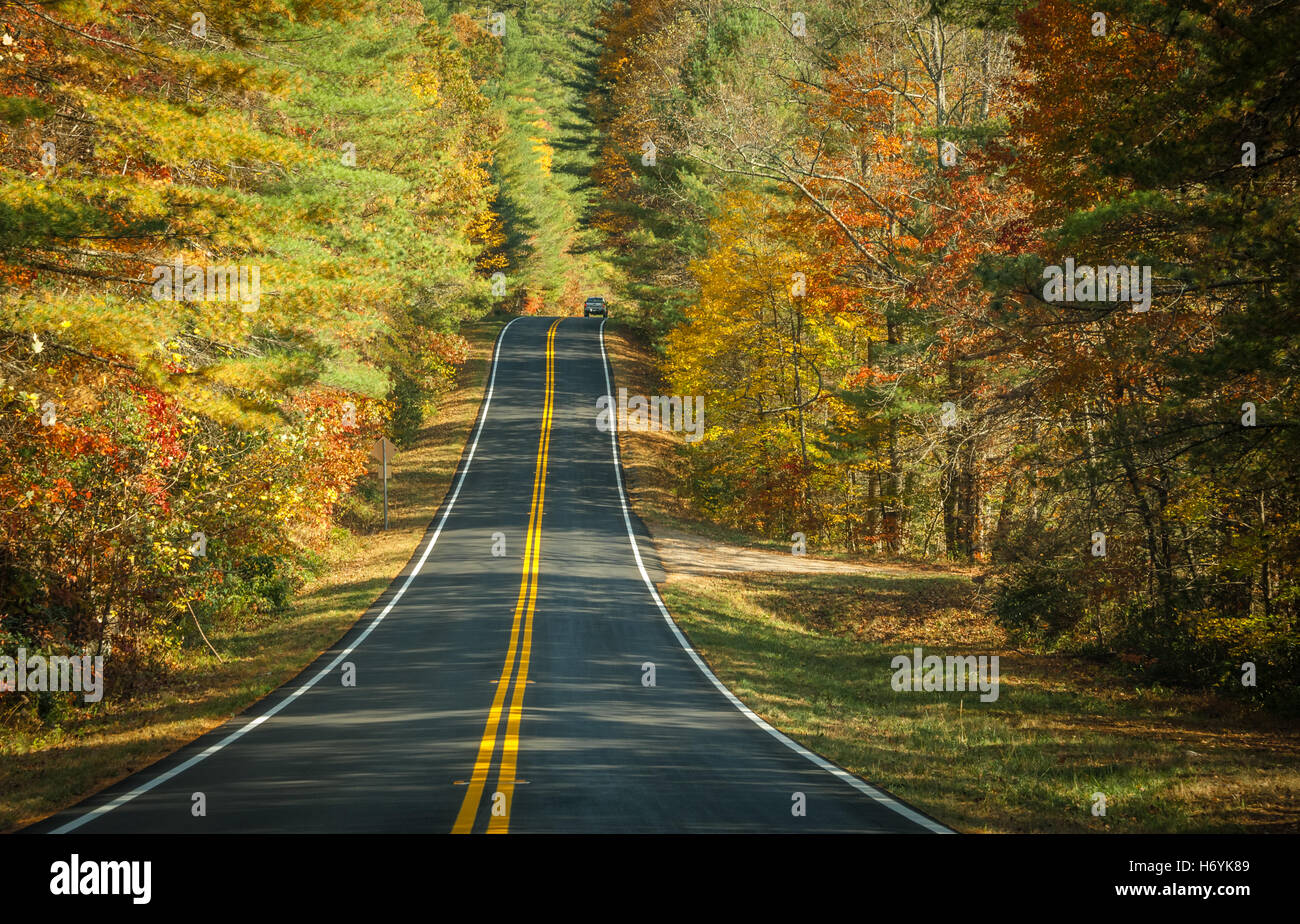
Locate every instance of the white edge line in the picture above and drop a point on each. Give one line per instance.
(249, 726)
(863, 787)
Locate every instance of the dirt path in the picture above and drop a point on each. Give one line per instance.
(684, 553)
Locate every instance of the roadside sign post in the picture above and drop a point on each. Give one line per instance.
(382, 450)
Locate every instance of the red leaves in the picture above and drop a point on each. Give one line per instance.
(163, 427)
(452, 349)
(71, 441)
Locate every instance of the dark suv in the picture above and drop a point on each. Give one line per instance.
(595, 307)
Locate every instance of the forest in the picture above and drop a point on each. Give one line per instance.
(176, 452)
(1011, 283)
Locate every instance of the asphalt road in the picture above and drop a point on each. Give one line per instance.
(508, 692)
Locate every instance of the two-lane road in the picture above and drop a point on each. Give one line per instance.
(503, 692)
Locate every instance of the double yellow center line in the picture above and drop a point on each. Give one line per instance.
(521, 644)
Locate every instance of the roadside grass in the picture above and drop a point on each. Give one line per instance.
(44, 770)
(811, 654)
